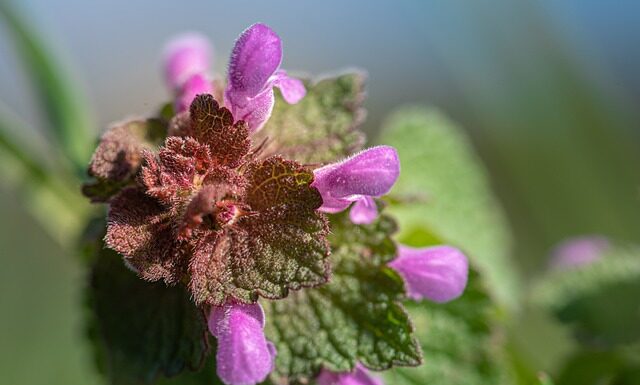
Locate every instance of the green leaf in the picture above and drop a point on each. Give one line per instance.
(600, 300)
(142, 330)
(322, 127)
(49, 193)
(65, 108)
(443, 190)
(597, 366)
(355, 317)
(460, 342)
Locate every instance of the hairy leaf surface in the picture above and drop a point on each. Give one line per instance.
(323, 126)
(355, 317)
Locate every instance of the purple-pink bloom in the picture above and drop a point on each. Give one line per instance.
(196, 84)
(365, 175)
(436, 273)
(187, 60)
(186, 55)
(253, 72)
(244, 355)
(359, 376)
(364, 211)
(579, 251)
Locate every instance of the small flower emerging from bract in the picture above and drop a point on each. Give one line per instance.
(359, 178)
(579, 251)
(359, 376)
(244, 356)
(253, 72)
(436, 273)
(187, 60)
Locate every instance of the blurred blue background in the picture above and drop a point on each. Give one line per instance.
(549, 91)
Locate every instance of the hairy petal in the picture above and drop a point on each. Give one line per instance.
(437, 273)
(371, 172)
(292, 89)
(185, 56)
(244, 355)
(255, 111)
(364, 211)
(359, 376)
(255, 58)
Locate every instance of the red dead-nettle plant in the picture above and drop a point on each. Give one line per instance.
(235, 197)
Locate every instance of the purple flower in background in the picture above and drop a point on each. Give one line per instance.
(244, 355)
(359, 376)
(187, 60)
(579, 251)
(359, 178)
(253, 72)
(436, 273)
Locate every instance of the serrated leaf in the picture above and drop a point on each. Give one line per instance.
(142, 330)
(355, 317)
(322, 127)
(600, 300)
(459, 341)
(443, 190)
(213, 125)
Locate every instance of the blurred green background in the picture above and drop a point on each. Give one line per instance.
(549, 92)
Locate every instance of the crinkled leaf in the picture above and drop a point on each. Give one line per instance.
(600, 300)
(443, 190)
(140, 230)
(355, 317)
(142, 329)
(459, 340)
(280, 245)
(323, 126)
(213, 125)
(277, 181)
(118, 156)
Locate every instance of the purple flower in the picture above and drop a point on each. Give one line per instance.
(364, 211)
(359, 178)
(359, 376)
(244, 355)
(437, 273)
(579, 251)
(186, 64)
(253, 72)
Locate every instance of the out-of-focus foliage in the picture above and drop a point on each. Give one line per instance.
(66, 111)
(443, 191)
(460, 341)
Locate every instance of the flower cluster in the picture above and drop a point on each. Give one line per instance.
(211, 211)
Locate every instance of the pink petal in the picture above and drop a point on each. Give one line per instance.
(436, 273)
(244, 355)
(255, 58)
(254, 111)
(364, 211)
(579, 251)
(371, 172)
(292, 89)
(184, 56)
(196, 84)
(360, 376)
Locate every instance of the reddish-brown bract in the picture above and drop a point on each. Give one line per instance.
(208, 214)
